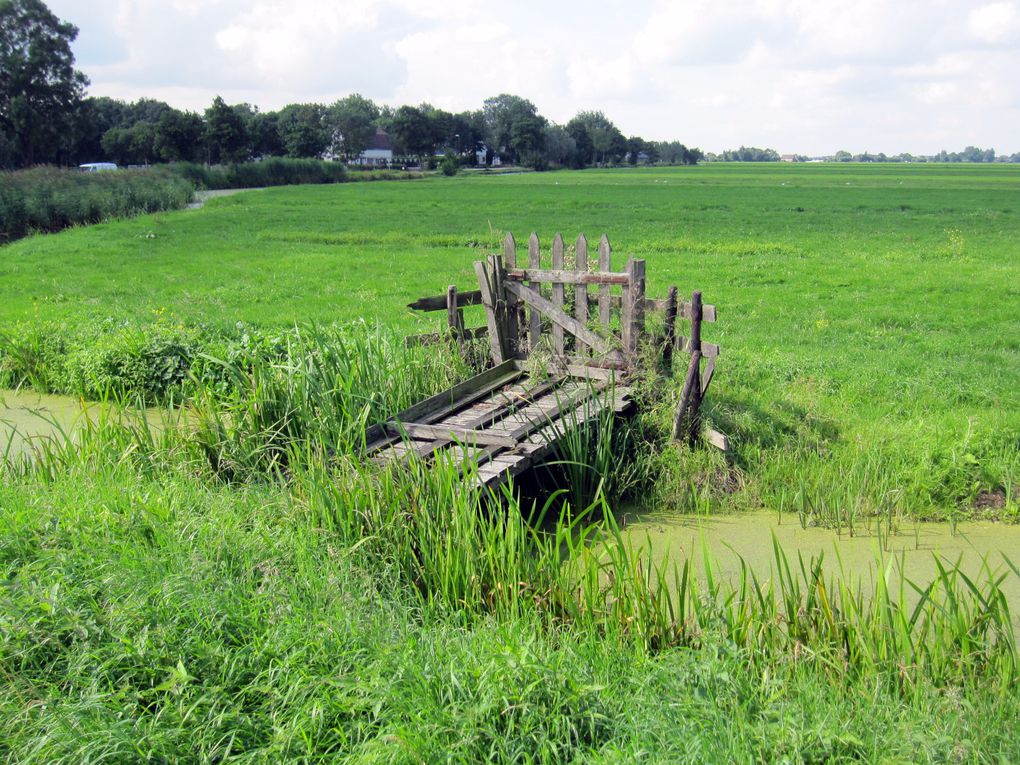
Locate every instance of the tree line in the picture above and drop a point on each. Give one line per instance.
(46, 118)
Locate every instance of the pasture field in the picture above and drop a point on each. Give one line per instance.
(234, 585)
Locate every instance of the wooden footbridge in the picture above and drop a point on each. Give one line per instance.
(564, 341)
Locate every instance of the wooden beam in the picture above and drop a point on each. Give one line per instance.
(557, 292)
(438, 303)
(449, 401)
(569, 323)
(535, 319)
(581, 291)
(514, 309)
(707, 349)
(434, 338)
(706, 376)
(559, 276)
(633, 319)
(667, 348)
(450, 433)
(605, 264)
(496, 340)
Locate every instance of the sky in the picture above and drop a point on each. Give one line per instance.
(799, 76)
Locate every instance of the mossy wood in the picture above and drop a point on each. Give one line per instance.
(573, 352)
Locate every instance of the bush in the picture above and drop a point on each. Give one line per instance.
(51, 199)
(275, 171)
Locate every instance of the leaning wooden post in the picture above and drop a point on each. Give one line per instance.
(633, 308)
(515, 308)
(486, 277)
(670, 340)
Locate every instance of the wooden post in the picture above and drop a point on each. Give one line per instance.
(667, 348)
(486, 279)
(605, 264)
(534, 261)
(690, 383)
(695, 406)
(581, 292)
(557, 293)
(633, 319)
(515, 309)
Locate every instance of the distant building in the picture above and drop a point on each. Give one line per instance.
(789, 158)
(379, 152)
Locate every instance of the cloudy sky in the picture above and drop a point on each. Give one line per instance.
(806, 76)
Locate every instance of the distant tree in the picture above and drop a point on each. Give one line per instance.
(513, 126)
(560, 147)
(225, 137)
(749, 154)
(144, 110)
(178, 136)
(598, 140)
(843, 156)
(39, 87)
(302, 131)
(131, 146)
(264, 135)
(413, 131)
(350, 125)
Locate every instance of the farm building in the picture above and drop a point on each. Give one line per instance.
(379, 152)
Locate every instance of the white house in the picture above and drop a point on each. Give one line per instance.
(379, 152)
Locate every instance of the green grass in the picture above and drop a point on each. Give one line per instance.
(871, 340)
(235, 585)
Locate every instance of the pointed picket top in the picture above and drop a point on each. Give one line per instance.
(510, 251)
(605, 264)
(581, 291)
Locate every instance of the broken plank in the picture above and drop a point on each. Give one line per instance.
(438, 302)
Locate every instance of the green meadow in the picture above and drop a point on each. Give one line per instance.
(228, 582)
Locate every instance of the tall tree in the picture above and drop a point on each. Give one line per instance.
(178, 136)
(225, 134)
(350, 125)
(301, 130)
(414, 131)
(39, 88)
(513, 125)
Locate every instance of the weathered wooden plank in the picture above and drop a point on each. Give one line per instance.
(451, 433)
(706, 376)
(687, 311)
(718, 440)
(535, 319)
(667, 348)
(605, 264)
(681, 418)
(634, 306)
(452, 313)
(683, 308)
(569, 323)
(510, 251)
(438, 303)
(432, 338)
(496, 341)
(557, 292)
(581, 291)
(561, 277)
(707, 349)
(449, 401)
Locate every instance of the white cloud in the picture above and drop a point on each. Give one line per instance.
(799, 75)
(994, 23)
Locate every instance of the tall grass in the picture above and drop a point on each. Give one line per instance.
(299, 420)
(50, 199)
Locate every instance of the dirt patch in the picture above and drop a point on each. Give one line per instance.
(990, 500)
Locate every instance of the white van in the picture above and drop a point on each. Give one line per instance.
(97, 167)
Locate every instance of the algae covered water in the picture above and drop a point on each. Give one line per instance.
(912, 550)
(28, 419)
